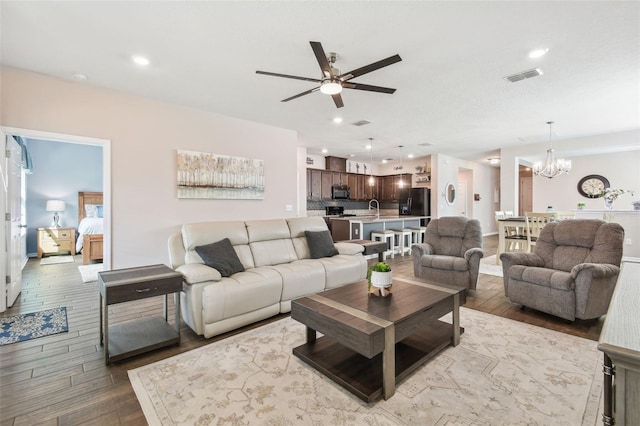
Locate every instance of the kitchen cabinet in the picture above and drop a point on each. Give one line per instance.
(314, 184)
(371, 191)
(326, 184)
(390, 186)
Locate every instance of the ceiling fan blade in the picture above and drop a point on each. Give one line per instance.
(337, 99)
(315, 89)
(295, 77)
(371, 67)
(367, 87)
(322, 58)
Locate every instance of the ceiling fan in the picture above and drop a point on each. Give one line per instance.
(332, 82)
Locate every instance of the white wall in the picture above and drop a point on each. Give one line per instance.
(145, 135)
(589, 156)
(483, 182)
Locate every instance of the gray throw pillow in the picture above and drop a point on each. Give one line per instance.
(221, 256)
(320, 244)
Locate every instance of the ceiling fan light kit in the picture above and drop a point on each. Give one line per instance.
(332, 82)
(330, 87)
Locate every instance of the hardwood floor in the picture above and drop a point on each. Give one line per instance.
(62, 379)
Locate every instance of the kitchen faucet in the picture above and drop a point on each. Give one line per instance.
(377, 207)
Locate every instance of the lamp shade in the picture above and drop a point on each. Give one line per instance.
(55, 206)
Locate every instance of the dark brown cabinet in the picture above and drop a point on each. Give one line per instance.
(314, 184)
(384, 188)
(390, 188)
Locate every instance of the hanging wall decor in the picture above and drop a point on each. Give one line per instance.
(223, 177)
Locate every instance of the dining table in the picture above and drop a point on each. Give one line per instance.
(518, 222)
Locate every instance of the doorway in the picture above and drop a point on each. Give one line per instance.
(55, 138)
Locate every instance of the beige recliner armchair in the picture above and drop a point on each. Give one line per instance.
(572, 272)
(451, 252)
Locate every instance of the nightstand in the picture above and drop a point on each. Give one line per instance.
(56, 240)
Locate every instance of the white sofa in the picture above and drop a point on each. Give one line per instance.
(278, 269)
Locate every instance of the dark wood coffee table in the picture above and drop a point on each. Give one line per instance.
(370, 342)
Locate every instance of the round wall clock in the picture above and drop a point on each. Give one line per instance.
(593, 186)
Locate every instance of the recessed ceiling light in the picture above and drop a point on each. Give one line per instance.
(140, 60)
(494, 160)
(384, 161)
(410, 155)
(337, 120)
(538, 53)
(324, 150)
(368, 146)
(79, 77)
(352, 155)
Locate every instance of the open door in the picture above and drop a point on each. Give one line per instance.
(3, 229)
(15, 245)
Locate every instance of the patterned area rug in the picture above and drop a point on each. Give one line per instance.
(22, 327)
(90, 272)
(56, 260)
(488, 266)
(502, 372)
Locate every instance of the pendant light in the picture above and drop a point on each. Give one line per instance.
(552, 167)
(401, 182)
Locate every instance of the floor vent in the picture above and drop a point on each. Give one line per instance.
(523, 75)
(361, 123)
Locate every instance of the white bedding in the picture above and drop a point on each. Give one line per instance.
(88, 226)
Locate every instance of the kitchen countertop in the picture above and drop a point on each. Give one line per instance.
(373, 218)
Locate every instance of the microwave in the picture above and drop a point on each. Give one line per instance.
(340, 192)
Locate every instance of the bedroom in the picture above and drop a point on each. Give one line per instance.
(60, 171)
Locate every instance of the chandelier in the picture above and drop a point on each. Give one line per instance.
(552, 167)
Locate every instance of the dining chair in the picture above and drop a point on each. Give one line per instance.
(535, 222)
(513, 240)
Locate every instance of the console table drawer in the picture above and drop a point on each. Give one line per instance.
(142, 290)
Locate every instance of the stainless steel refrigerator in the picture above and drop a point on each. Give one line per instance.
(415, 202)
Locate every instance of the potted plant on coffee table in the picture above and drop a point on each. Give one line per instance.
(380, 279)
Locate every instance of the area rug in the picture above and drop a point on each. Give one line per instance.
(90, 272)
(29, 326)
(55, 260)
(502, 372)
(488, 266)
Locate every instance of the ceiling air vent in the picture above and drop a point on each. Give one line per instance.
(523, 75)
(361, 123)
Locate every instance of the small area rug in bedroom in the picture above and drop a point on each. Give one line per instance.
(90, 272)
(55, 260)
(502, 372)
(19, 328)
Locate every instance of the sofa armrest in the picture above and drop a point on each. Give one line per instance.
(349, 248)
(596, 270)
(194, 273)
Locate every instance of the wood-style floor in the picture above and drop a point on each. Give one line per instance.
(62, 379)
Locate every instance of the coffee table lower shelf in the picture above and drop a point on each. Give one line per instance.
(139, 336)
(362, 376)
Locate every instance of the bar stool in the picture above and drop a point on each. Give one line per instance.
(417, 234)
(403, 237)
(387, 236)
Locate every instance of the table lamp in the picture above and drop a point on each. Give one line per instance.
(55, 206)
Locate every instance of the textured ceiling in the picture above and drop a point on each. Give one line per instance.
(450, 89)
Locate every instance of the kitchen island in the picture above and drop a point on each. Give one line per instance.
(360, 227)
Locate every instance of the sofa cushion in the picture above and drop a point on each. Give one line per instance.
(221, 256)
(194, 273)
(450, 263)
(320, 244)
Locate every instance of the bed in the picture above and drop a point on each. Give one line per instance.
(90, 226)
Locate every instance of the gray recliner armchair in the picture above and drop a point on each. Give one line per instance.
(571, 273)
(451, 252)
